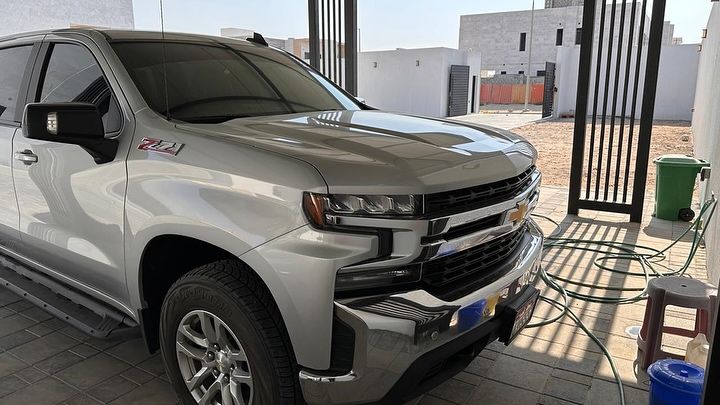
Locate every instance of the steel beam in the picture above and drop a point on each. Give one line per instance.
(314, 32)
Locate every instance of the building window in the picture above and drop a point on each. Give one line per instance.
(578, 36)
(541, 73)
(559, 37)
(307, 55)
(521, 72)
(523, 37)
(502, 72)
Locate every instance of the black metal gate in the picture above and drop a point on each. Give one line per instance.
(458, 93)
(614, 175)
(548, 89)
(333, 40)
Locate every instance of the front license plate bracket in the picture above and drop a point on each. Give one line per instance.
(515, 315)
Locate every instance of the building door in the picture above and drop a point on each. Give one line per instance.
(458, 92)
(473, 94)
(549, 89)
(614, 112)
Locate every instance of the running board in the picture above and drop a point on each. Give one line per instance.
(65, 303)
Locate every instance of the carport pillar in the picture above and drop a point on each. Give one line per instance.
(712, 373)
(333, 40)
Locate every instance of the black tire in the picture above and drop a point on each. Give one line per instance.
(686, 214)
(232, 292)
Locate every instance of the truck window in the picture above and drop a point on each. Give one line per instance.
(212, 83)
(13, 62)
(73, 75)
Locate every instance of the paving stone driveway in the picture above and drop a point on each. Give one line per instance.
(45, 361)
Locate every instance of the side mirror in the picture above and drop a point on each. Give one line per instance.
(72, 123)
(360, 100)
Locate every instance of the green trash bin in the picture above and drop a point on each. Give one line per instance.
(674, 185)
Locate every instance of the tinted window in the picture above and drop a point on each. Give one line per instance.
(73, 75)
(13, 62)
(215, 83)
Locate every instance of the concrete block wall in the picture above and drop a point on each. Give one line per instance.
(497, 35)
(706, 130)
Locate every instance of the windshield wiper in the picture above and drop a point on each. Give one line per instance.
(212, 119)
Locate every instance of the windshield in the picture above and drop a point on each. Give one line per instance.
(212, 83)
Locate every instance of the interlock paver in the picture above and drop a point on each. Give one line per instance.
(45, 361)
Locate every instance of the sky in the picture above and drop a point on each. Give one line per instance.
(384, 24)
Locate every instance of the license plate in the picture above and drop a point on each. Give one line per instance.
(516, 315)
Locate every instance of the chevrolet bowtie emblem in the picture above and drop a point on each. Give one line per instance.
(519, 213)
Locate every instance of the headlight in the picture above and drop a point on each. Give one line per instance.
(320, 207)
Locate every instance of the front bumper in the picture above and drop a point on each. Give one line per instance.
(406, 343)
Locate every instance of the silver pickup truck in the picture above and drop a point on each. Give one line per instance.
(276, 239)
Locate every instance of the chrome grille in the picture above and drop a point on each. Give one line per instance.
(478, 196)
(472, 264)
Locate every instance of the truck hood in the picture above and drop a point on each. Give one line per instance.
(375, 152)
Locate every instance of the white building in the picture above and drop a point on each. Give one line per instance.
(22, 15)
(299, 47)
(504, 38)
(415, 81)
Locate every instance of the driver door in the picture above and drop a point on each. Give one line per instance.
(71, 208)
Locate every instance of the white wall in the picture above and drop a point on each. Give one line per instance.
(706, 129)
(677, 76)
(399, 84)
(31, 15)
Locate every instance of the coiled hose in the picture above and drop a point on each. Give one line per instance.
(650, 260)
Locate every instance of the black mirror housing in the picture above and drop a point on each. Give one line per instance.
(72, 123)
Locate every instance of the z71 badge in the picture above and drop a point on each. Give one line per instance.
(160, 146)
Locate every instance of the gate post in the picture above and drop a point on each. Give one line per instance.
(581, 102)
(351, 46)
(314, 33)
(648, 108)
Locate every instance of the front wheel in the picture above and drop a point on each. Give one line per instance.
(223, 340)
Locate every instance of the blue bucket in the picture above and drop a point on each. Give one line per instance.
(675, 382)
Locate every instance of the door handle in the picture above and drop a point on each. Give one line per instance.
(26, 157)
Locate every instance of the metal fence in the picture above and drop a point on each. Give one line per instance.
(611, 142)
(333, 40)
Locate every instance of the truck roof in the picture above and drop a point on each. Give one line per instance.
(127, 35)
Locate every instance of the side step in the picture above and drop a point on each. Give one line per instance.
(63, 302)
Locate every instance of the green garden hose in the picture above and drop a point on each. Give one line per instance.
(650, 260)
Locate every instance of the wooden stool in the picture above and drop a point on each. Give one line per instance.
(681, 292)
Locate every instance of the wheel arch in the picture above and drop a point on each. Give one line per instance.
(165, 259)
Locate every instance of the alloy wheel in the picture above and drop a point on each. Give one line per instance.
(212, 361)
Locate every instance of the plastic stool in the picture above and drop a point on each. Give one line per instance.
(681, 292)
